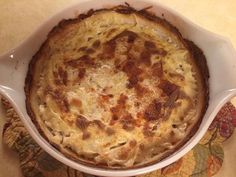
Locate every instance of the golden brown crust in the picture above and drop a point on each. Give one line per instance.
(168, 88)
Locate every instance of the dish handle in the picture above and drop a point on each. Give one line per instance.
(12, 75)
(222, 67)
(12, 79)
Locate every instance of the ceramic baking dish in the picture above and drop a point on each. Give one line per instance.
(219, 52)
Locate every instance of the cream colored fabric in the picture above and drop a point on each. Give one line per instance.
(18, 19)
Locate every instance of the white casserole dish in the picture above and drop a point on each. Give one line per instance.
(219, 52)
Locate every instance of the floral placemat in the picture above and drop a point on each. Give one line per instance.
(204, 160)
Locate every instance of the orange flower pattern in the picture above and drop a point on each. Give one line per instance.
(204, 160)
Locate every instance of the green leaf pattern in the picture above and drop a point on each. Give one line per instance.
(201, 154)
(217, 151)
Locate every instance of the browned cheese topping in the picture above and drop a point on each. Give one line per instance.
(117, 90)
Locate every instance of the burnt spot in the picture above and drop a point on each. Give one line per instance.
(99, 124)
(137, 104)
(58, 81)
(88, 14)
(86, 60)
(153, 111)
(154, 127)
(133, 73)
(122, 10)
(110, 46)
(72, 63)
(160, 52)
(168, 87)
(141, 90)
(132, 143)
(131, 36)
(110, 95)
(116, 111)
(108, 50)
(128, 122)
(119, 110)
(174, 125)
(145, 57)
(157, 69)
(110, 131)
(81, 73)
(96, 44)
(130, 68)
(55, 74)
(172, 99)
(86, 135)
(122, 100)
(133, 80)
(82, 123)
(116, 114)
(150, 45)
(114, 119)
(63, 75)
(150, 49)
(133, 55)
(65, 105)
(110, 32)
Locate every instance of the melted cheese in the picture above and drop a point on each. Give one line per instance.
(87, 75)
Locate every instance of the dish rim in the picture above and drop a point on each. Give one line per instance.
(222, 98)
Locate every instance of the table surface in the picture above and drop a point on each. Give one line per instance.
(18, 19)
